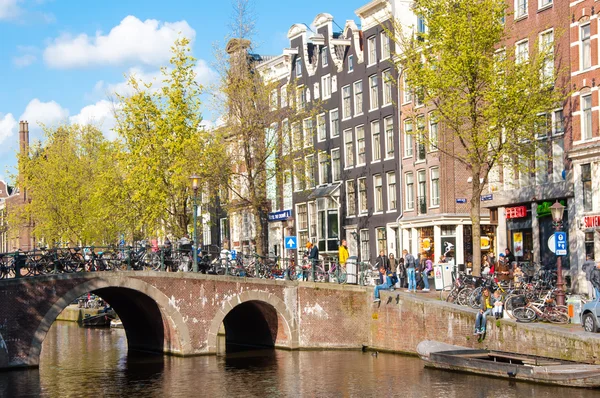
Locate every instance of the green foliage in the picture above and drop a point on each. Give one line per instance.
(487, 101)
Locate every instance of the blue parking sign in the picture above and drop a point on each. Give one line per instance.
(560, 243)
(291, 243)
(233, 254)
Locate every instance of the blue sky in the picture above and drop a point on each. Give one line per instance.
(61, 59)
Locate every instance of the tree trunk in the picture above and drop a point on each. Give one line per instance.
(476, 220)
(260, 238)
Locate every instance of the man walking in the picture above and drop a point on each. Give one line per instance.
(595, 279)
(410, 264)
(587, 267)
(313, 257)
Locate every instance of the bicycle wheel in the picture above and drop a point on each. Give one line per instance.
(446, 292)
(463, 296)
(524, 314)
(556, 316)
(320, 276)
(342, 276)
(474, 298)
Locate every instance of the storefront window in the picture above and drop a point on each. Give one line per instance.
(426, 246)
(589, 244)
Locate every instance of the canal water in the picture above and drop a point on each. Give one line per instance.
(77, 362)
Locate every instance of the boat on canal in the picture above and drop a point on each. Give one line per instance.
(513, 366)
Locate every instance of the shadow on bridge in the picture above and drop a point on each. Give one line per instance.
(249, 325)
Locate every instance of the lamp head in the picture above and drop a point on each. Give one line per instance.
(557, 211)
(195, 181)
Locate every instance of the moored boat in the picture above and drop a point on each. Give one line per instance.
(100, 320)
(509, 365)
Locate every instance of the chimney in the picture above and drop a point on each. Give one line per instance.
(24, 137)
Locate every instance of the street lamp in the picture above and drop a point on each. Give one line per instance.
(195, 179)
(557, 211)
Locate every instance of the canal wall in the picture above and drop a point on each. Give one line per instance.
(401, 320)
(75, 314)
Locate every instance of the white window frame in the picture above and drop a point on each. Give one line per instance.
(350, 63)
(348, 201)
(392, 197)
(309, 164)
(346, 89)
(385, 45)
(373, 92)
(585, 42)
(316, 90)
(362, 202)
(349, 143)
(324, 56)
(409, 197)
(298, 66)
(519, 56)
(548, 63)
(333, 122)
(360, 145)
(543, 4)
(375, 148)
(434, 201)
(326, 86)
(286, 143)
(377, 194)
(386, 77)
(284, 96)
(587, 125)
(297, 138)
(307, 132)
(273, 99)
(321, 128)
(336, 170)
(555, 121)
(406, 92)
(521, 8)
(358, 96)
(409, 146)
(433, 122)
(389, 137)
(323, 174)
(372, 50)
(299, 183)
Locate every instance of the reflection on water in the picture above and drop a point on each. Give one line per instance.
(94, 363)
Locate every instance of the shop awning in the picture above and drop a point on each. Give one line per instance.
(322, 192)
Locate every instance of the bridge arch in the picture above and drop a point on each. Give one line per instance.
(262, 314)
(150, 320)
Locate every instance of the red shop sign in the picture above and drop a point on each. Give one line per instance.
(591, 221)
(516, 212)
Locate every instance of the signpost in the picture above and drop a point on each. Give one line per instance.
(279, 215)
(487, 197)
(560, 242)
(461, 200)
(291, 242)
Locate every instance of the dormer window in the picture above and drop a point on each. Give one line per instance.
(298, 67)
(350, 63)
(325, 56)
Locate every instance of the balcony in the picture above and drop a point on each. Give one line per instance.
(422, 205)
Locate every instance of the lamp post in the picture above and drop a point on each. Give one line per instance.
(195, 179)
(557, 211)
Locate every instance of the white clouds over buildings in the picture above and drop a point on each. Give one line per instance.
(131, 42)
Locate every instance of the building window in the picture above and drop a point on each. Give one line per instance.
(410, 191)
(301, 97)
(326, 84)
(285, 137)
(375, 141)
(325, 56)
(334, 120)
(387, 87)
(406, 92)
(299, 177)
(296, 136)
(388, 125)
(544, 3)
(558, 122)
(336, 166)
(349, 147)
(287, 189)
(385, 46)
(435, 186)
(374, 92)
(419, 97)
(362, 195)
(433, 134)
(421, 152)
(307, 132)
(586, 182)
(284, 96)
(421, 28)
(391, 190)
(381, 240)
(372, 50)
(317, 91)
(302, 213)
(358, 96)
(520, 8)
(298, 67)
(547, 48)
(351, 198)
(589, 245)
(274, 99)
(310, 171)
(586, 47)
(223, 230)
(522, 51)
(422, 198)
(346, 103)
(586, 110)
(378, 192)
(408, 138)
(350, 63)
(323, 168)
(321, 128)
(361, 157)
(365, 250)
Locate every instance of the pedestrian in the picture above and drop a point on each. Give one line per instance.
(401, 272)
(595, 279)
(509, 256)
(587, 267)
(343, 254)
(313, 256)
(385, 284)
(425, 273)
(410, 265)
(393, 265)
(486, 305)
(382, 261)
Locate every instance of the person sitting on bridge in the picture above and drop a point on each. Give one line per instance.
(485, 309)
(386, 283)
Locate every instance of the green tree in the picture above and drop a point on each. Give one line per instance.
(487, 99)
(164, 144)
(67, 178)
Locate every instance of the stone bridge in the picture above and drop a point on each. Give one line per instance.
(182, 314)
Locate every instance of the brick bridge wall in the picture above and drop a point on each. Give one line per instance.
(181, 314)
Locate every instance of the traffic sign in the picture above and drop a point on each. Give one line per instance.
(560, 242)
(233, 254)
(291, 243)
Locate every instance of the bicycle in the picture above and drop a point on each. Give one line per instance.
(545, 309)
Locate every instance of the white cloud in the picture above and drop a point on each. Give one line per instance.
(9, 9)
(132, 41)
(8, 126)
(99, 114)
(24, 60)
(39, 113)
